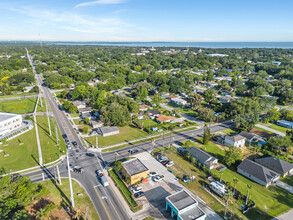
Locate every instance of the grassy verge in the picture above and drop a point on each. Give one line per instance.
(22, 151)
(18, 106)
(62, 193)
(279, 128)
(17, 95)
(74, 115)
(43, 107)
(125, 191)
(269, 132)
(50, 150)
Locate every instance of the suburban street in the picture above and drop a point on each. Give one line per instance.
(103, 198)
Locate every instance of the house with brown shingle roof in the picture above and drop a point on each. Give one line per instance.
(144, 107)
(164, 118)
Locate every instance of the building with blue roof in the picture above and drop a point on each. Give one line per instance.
(286, 124)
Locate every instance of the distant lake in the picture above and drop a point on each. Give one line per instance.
(283, 45)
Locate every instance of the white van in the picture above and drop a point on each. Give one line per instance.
(104, 181)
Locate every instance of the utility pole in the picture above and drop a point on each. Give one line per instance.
(70, 183)
(41, 102)
(97, 141)
(58, 173)
(163, 138)
(56, 132)
(48, 119)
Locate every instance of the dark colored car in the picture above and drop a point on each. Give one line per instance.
(133, 151)
(74, 143)
(89, 154)
(139, 194)
(165, 162)
(64, 136)
(67, 141)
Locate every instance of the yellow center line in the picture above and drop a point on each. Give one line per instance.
(36, 175)
(102, 203)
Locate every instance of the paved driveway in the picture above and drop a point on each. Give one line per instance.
(284, 186)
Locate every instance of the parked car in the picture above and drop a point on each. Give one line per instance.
(139, 194)
(153, 174)
(185, 179)
(68, 146)
(165, 162)
(171, 163)
(89, 154)
(137, 189)
(74, 143)
(133, 151)
(67, 141)
(163, 159)
(158, 178)
(99, 173)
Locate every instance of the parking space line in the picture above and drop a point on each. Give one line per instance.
(102, 203)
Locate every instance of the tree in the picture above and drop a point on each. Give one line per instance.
(117, 166)
(85, 129)
(40, 213)
(164, 88)
(143, 94)
(228, 197)
(247, 195)
(207, 115)
(115, 114)
(87, 121)
(101, 100)
(140, 124)
(195, 100)
(235, 180)
(273, 115)
(157, 99)
(232, 155)
(72, 109)
(206, 134)
(209, 95)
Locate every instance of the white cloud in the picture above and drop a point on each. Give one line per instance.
(100, 2)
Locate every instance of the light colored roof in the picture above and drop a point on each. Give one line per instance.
(108, 129)
(134, 166)
(144, 106)
(4, 116)
(235, 138)
(163, 118)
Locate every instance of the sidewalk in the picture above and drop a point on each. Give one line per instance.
(270, 129)
(286, 216)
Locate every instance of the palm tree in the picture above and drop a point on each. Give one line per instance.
(40, 214)
(221, 173)
(248, 188)
(228, 197)
(235, 180)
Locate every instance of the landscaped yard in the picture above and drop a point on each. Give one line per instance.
(279, 128)
(50, 151)
(269, 132)
(61, 192)
(18, 106)
(186, 111)
(22, 150)
(288, 180)
(126, 133)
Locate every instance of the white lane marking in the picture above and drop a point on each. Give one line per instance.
(43, 176)
(97, 185)
(111, 203)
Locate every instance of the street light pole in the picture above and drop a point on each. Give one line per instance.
(70, 183)
(58, 172)
(48, 119)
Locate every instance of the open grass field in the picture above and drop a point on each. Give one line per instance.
(18, 106)
(279, 128)
(41, 108)
(22, 150)
(50, 151)
(126, 133)
(271, 201)
(62, 193)
(16, 95)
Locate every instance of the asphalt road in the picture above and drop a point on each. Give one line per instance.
(103, 198)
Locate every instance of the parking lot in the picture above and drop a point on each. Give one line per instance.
(155, 192)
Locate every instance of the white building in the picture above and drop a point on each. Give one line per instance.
(9, 122)
(235, 140)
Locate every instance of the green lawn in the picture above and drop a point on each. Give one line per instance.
(43, 107)
(186, 111)
(126, 133)
(279, 128)
(50, 150)
(61, 192)
(21, 156)
(74, 115)
(18, 106)
(288, 180)
(228, 131)
(211, 148)
(16, 95)
(123, 188)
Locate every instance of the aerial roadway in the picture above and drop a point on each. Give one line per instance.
(104, 199)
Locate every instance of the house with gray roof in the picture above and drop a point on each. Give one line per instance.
(257, 172)
(276, 164)
(107, 130)
(235, 140)
(203, 157)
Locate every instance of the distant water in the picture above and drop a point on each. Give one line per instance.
(283, 45)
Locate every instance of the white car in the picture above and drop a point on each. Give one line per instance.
(68, 146)
(171, 163)
(153, 174)
(157, 178)
(136, 189)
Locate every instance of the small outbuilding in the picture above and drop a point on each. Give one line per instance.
(107, 130)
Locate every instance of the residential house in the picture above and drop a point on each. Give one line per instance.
(79, 104)
(153, 113)
(235, 140)
(107, 131)
(178, 101)
(285, 124)
(276, 164)
(84, 110)
(257, 173)
(224, 99)
(96, 124)
(203, 157)
(144, 107)
(164, 118)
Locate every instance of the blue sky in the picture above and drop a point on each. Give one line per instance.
(146, 20)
